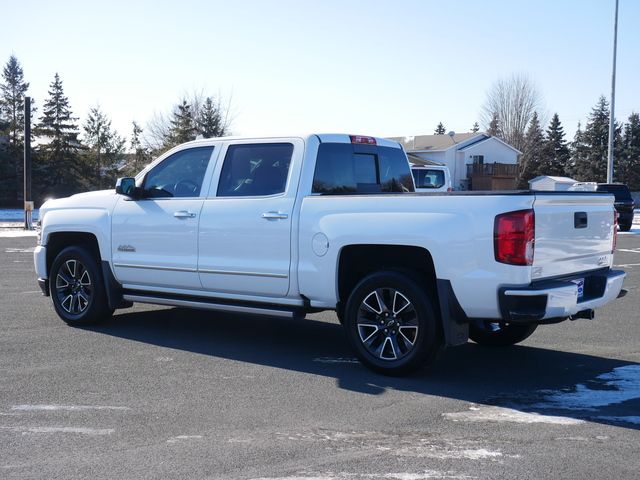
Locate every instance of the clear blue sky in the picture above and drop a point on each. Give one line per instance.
(373, 67)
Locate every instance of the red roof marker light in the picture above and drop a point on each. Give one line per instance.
(362, 139)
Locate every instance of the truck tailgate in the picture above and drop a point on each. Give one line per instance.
(573, 233)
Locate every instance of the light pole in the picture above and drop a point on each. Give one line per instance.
(613, 101)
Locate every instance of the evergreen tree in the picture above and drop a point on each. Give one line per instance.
(440, 130)
(12, 93)
(494, 126)
(58, 172)
(182, 126)
(105, 150)
(210, 121)
(590, 157)
(628, 162)
(556, 151)
(475, 127)
(140, 154)
(532, 154)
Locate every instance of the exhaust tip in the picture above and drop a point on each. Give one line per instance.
(588, 314)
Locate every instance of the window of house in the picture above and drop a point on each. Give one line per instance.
(478, 159)
(251, 170)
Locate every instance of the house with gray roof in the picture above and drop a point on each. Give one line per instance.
(477, 161)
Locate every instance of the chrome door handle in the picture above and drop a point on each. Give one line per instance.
(275, 215)
(184, 214)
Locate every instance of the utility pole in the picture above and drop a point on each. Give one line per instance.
(28, 204)
(613, 101)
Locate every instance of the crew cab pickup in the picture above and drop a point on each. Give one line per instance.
(291, 225)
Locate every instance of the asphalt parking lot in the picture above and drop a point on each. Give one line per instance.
(173, 393)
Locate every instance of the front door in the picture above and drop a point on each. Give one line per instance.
(245, 227)
(155, 238)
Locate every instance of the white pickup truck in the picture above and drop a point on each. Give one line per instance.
(290, 225)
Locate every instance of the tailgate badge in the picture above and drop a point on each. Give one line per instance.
(602, 261)
(536, 272)
(126, 248)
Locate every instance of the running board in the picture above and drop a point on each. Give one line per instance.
(220, 307)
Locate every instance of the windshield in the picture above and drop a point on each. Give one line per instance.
(428, 178)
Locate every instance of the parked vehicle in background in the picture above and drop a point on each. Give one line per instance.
(431, 178)
(624, 203)
(285, 226)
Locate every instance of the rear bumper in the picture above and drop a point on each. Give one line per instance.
(555, 300)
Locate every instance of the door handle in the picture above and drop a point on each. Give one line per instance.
(275, 215)
(184, 214)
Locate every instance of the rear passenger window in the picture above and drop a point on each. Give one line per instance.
(344, 168)
(251, 170)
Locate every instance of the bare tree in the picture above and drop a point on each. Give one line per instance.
(158, 132)
(511, 101)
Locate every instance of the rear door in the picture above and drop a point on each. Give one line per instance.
(246, 221)
(574, 233)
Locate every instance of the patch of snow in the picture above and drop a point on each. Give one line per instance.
(618, 386)
(501, 414)
(78, 430)
(17, 233)
(336, 360)
(70, 408)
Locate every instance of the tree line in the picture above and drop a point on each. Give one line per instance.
(511, 113)
(69, 156)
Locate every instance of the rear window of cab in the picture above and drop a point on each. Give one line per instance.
(343, 168)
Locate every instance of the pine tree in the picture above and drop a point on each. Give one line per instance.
(440, 130)
(140, 154)
(532, 154)
(556, 151)
(59, 172)
(475, 127)
(182, 126)
(210, 121)
(105, 150)
(590, 159)
(628, 162)
(494, 126)
(12, 93)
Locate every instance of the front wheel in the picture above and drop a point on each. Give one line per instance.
(391, 325)
(77, 289)
(499, 334)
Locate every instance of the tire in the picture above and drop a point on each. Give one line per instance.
(625, 228)
(391, 325)
(499, 334)
(77, 288)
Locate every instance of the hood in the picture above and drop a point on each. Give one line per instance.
(102, 199)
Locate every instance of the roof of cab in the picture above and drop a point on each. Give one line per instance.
(323, 137)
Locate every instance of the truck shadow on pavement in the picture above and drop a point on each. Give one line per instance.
(520, 384)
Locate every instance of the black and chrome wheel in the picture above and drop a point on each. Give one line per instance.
(496, 334)
(76, 287)
(390, 323)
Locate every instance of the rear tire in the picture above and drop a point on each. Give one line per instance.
(499, 334)
(391, 325)
(77, 288)
(624, 228)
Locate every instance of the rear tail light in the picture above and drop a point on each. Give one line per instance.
(362, 139)
(615, 231)
(514, 236)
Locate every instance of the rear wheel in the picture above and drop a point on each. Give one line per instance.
(625, 227)
(499, 334)
(76, 287)
(391, 325)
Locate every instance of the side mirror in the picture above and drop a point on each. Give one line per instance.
(126, 186)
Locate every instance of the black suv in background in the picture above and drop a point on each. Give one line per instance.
(624, 203)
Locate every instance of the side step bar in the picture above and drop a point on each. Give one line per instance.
(206, 305)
